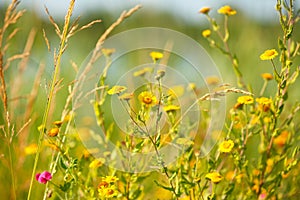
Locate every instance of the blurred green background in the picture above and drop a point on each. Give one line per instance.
(250, 35)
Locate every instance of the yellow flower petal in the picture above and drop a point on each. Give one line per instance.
(226, 146)
(206, 33)
(156, 55)
(245, 100)
(214, 177)
(170, 108)
(269, 54)
(53, 132)
(204, 10)
(267, 76)
(143, 71)
(126, 96)
(227, 10)
(264, 103)
(97, 163)
(111, 179)
(31, 149)
(117, 89)
(147, 98)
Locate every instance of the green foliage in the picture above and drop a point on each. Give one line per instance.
(258, 153)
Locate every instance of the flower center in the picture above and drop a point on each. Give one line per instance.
(226, 145)
(110, 191)
(270, 53)
(147, 100)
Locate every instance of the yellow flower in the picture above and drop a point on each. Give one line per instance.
(31, 149)
(285, 174)
(160, 74)
(245, 100)
(108, 52)
(269, 54)
(126, 96)
(267, 76)
(68, 117)
(214, 177)
(255, 186)
(267, 120)
(212, 80)
(281, 139)
(226, 146)
(147, 99)
(227, 10)
(184, 141)
(170, 108)
(156, 55)
(53, 132)
(206, 33)
(58, 123)
(52, 146)
(230, 175)
(41, 127)
(117, 89)
(103, 184)
(88, 152)
(254, 120)
(176, 91)
(270, 164)
(264, 103)
(256, 172)
(192, 86)
(185, 198)
(97, 163)
(143, 71)
(111, 179)
(108, 191)
(204, 10)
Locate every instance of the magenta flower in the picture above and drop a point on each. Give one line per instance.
(43, 177)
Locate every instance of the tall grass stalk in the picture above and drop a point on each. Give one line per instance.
(57, 63)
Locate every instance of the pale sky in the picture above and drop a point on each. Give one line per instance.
(187, 9)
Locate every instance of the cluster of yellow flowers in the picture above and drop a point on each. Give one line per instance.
(107, 187)
(225, 10)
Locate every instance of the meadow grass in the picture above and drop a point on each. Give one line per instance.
(43, 153)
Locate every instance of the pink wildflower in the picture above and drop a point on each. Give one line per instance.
(43, 177)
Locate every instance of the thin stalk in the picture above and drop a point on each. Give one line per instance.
(12, 172)
(263, 88)
(51, 94)
(275, 69)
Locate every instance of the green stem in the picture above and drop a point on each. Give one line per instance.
(263, 88)
(12, 173)
(275, 69)
(51, 94)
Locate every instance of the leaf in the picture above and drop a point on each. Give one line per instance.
(280, 109)
(109, 131)
(173, 176)
(277, 77)
(215, 25)
(136, 194)
(229, 189)
(65, 186)
(289, 32)
(285, 96)
(211, 197)
(295, 152)
(62, 163)
(281, 45)
(294, 76)
(162, 186)
(139, 146)
(283, 84)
